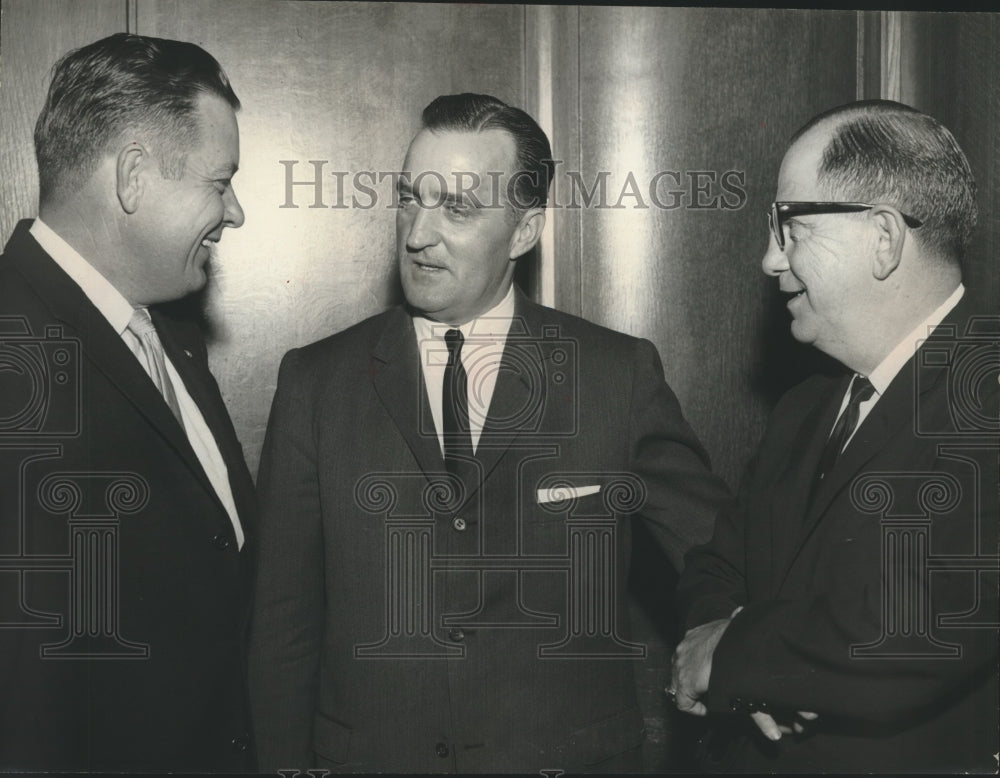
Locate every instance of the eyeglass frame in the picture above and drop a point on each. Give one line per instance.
(788, 209)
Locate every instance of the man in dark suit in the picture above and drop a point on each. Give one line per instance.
(844, 617)
(447, 491)
(127, 506)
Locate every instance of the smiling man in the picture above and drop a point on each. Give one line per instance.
(447, 494)
(127, 506)
(844, 617)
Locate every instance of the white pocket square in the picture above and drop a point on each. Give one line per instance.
(560, 493)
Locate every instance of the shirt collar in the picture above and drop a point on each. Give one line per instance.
(889, 367)
(101, 292)
(492, 325)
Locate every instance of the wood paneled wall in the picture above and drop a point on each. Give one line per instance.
(697, 102)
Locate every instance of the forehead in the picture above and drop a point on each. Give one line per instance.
(451, 152)
(218, 130)
(797, 178)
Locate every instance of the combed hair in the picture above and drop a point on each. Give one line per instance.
(887, 152)
(529, 187)
(120, 83)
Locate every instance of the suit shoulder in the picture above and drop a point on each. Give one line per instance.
(356, 341)
(567, 325)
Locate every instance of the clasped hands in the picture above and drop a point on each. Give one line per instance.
(692, 668)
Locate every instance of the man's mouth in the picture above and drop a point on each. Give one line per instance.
(426, 267)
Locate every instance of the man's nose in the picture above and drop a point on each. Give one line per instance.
(422, 231)
(774, 261)
(234, 211)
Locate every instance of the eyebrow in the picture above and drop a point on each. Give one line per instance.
(226, 171)
(448, 198)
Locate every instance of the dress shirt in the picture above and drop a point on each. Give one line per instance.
(485, 338)
(117, 310)
(889, 367)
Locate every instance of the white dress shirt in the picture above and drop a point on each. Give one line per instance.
(889, 367)
(485, 338)
(117, 310)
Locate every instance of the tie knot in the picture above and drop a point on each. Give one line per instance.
(454, 339)
(141, 324)
(861, 390)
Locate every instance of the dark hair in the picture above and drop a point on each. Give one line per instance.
(883, 151)
(118, 83)
(529, 185)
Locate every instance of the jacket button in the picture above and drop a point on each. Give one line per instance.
(456, 635)
(221, 541)
(459, 524)
(441, 749)
(241, 743)
(736, 704)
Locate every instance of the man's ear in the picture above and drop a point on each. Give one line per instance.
(130, 164)
(890, 236)
(528, 231)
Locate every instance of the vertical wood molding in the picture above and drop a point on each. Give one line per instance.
(552, 97)
(869, 55)
(892, 36)
(132, 16)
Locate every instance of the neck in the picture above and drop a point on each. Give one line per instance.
(886, 328)
(93, 235)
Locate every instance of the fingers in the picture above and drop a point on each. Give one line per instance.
(804, 714)
(768, 726)
(690, 705)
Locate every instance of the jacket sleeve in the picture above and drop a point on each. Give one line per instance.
(287, 623)
(683, 496)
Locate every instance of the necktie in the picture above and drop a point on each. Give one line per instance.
(142, 327)
(455, 404)
(861, 390)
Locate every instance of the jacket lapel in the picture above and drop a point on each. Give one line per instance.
(203, 389)
(520, 394)
(518, 402)
(399, 384)
(100, 343)
(792, 488)
(894, 411)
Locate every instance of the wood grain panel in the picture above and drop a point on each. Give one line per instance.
(701, 93)
(33, 35)
(341, 83)
(951, 69)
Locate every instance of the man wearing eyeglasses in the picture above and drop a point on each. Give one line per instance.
(844, 616)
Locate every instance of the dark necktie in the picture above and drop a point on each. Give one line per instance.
(861, 390)
(455, 405)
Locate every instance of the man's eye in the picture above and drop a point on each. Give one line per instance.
(458, 210)
(406, 200)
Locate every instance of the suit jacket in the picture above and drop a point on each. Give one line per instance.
(124, 598)
(410, 621)
(874, 604)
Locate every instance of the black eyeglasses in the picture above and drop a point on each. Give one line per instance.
(780, 212)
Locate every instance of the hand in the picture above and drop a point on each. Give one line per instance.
(773, 731)
(692, 665)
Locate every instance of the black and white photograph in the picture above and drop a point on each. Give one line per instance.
(410, 387)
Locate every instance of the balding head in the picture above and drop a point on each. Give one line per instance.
(879, 151)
